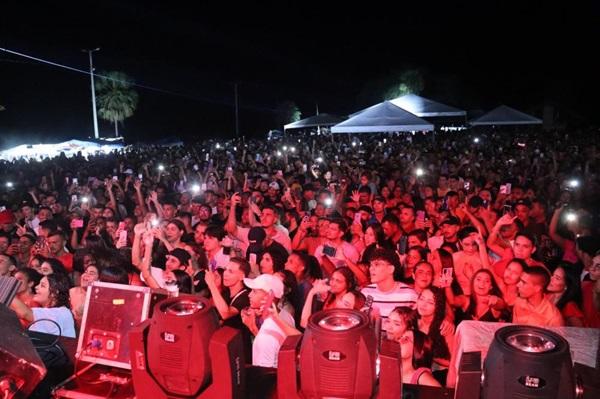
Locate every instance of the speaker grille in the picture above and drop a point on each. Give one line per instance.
(336, 378)
(171, 356)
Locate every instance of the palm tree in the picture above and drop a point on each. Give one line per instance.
(116, 98)
(409, 81)
(287, 112)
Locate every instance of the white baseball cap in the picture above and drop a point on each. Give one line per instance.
(266, 282)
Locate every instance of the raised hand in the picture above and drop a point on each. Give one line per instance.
(320, 286)
(148, 238)
(139, 228)
(236, 199)
(21, 229)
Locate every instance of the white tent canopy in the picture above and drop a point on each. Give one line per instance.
(69, 148)
(426, 108)
(504, 115)
(382, 117)
(314, 121)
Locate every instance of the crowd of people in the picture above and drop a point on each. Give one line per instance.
(425, 231)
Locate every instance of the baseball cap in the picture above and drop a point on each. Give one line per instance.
(256, 235)
(274, 185)
(266, 282)
(451, 220)
(181, 254)
(523, 201)
(128, 171)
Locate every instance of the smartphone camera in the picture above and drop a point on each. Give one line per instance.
(402, 245)
(329, 251)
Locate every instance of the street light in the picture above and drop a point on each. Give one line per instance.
(96, 135)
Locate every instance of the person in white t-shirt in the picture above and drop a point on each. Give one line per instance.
(269, 327)
(387, 293)
(52, 293)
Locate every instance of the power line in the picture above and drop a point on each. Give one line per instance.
(151, 88)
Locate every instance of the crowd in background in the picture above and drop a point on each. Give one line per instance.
(423, 230)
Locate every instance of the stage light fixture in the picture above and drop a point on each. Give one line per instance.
(337, 358)
(528, 362)
(182, 352)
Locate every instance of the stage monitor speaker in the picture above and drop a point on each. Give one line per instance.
(21, 368)
(468, 384)
(390, 370)
(110, 311)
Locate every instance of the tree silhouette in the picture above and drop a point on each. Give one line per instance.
(116, 98)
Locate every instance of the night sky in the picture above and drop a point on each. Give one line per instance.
(474, 55)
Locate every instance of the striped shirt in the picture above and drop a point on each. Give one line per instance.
(385, 302)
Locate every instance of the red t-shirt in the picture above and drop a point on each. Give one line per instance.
(67, 261)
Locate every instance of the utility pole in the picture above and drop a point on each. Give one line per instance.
(237, 115)
(96, 135)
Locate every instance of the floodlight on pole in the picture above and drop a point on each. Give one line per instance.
(96, 135)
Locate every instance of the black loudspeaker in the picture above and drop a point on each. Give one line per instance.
(468, 383)
(21, 368)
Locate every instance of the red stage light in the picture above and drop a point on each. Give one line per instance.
(178, 338)
(338, 354)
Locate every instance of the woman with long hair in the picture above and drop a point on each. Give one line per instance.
(414, 256)
(564, 291)
(422, 276)
(272, 261)
(416, 351)
(342, 293)
(51, 266)
(77, 294)
(52, 295)
(289, 301)
(29, 279)
(431, 308)
(485, 302)
(372, 238)
(510, 279)
(306, 269)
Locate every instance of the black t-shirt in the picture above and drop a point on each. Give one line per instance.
(240, 301)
